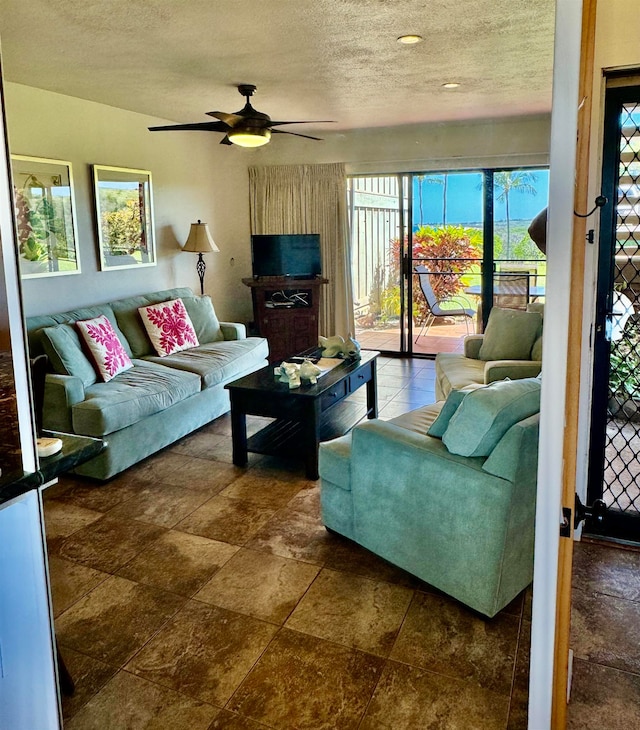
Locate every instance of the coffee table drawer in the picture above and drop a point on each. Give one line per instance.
(358, 379)
(337, 392)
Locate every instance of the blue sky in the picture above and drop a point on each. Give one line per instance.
(464, 199)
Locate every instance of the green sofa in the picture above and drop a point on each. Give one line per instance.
(464, 524)
(157, 401)
(514, 351)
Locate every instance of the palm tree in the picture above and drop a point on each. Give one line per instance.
(434, 180)
(518, 180)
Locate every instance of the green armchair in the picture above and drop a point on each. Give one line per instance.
(462, 523)
(510, 348)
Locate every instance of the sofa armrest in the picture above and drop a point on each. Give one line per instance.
(61, 392)
(472, 345)
(514, 369)
(233, 330)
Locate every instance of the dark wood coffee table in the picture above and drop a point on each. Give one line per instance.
(304, 416)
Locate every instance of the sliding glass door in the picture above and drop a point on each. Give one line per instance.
(378, 207)
(433, 251)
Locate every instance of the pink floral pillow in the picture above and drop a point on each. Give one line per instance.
(169, 327)
(106, 349)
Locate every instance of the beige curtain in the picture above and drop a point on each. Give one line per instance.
(310, 199)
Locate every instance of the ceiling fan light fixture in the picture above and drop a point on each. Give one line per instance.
(410, 39)
(249, 137)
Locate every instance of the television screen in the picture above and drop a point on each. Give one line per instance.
(296, 255)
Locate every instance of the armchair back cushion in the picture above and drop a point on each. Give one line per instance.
(486, 414)
(510, 334)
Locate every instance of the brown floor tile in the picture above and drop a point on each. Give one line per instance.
(349, 557)
(88, 675)
(607, 570)
(229, 520)
(101, 497)
(70, 581)
(411, 698)
(113, 621)
(221, 426)
(131, 703)
(259, 584)
(160, 504)
(158, 467)
(205, 445)
(602, 697)
(178, 562)
(295, 531)
(600, 630)
(230, 721)
(306, 683)
(203, 652)
(519, 705)
(353, 611)
(267, 491)
(62, 520)
(204, 475)
(107, 543)
(443, 636)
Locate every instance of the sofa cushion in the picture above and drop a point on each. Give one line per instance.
(104, 346)
(64, 350)
(218, 362)
(486, 414)
(204, 319)
(454, 399)
(169, 327)
(130, 322)
(510, 334)
(420, 419)
(130, 397)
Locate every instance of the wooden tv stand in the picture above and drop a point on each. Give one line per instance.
(286, 311)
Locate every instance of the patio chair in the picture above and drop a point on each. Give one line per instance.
(511, 289)
(435, 309)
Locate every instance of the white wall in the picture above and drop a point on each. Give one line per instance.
(193, 177)
(452, 145)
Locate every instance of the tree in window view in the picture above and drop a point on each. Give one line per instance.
(504, 183)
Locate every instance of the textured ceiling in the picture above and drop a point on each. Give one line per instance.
(310, 59)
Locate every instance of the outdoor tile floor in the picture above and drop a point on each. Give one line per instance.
(190, 594)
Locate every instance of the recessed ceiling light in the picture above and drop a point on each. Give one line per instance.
(410, 39)
(450, 85)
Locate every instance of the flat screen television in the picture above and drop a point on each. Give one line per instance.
(296, 255)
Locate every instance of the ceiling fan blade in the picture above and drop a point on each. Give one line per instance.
(199, 126)
(229, 119)
(282, 131)
(226, 140)
(315, 121)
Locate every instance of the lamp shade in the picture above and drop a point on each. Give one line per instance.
(199, 240)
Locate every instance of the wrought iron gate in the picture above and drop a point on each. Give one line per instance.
(614, 463)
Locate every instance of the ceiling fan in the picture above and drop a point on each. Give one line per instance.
(246, 128)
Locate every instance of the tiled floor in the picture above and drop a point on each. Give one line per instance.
(604, 637)
(192, 594)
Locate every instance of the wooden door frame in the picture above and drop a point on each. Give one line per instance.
(562, 349)
(574, 353)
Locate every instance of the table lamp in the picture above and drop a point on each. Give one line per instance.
(200, 241)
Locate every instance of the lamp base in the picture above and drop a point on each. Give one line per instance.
(200, 268)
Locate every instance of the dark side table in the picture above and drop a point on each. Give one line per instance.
(304, 416)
